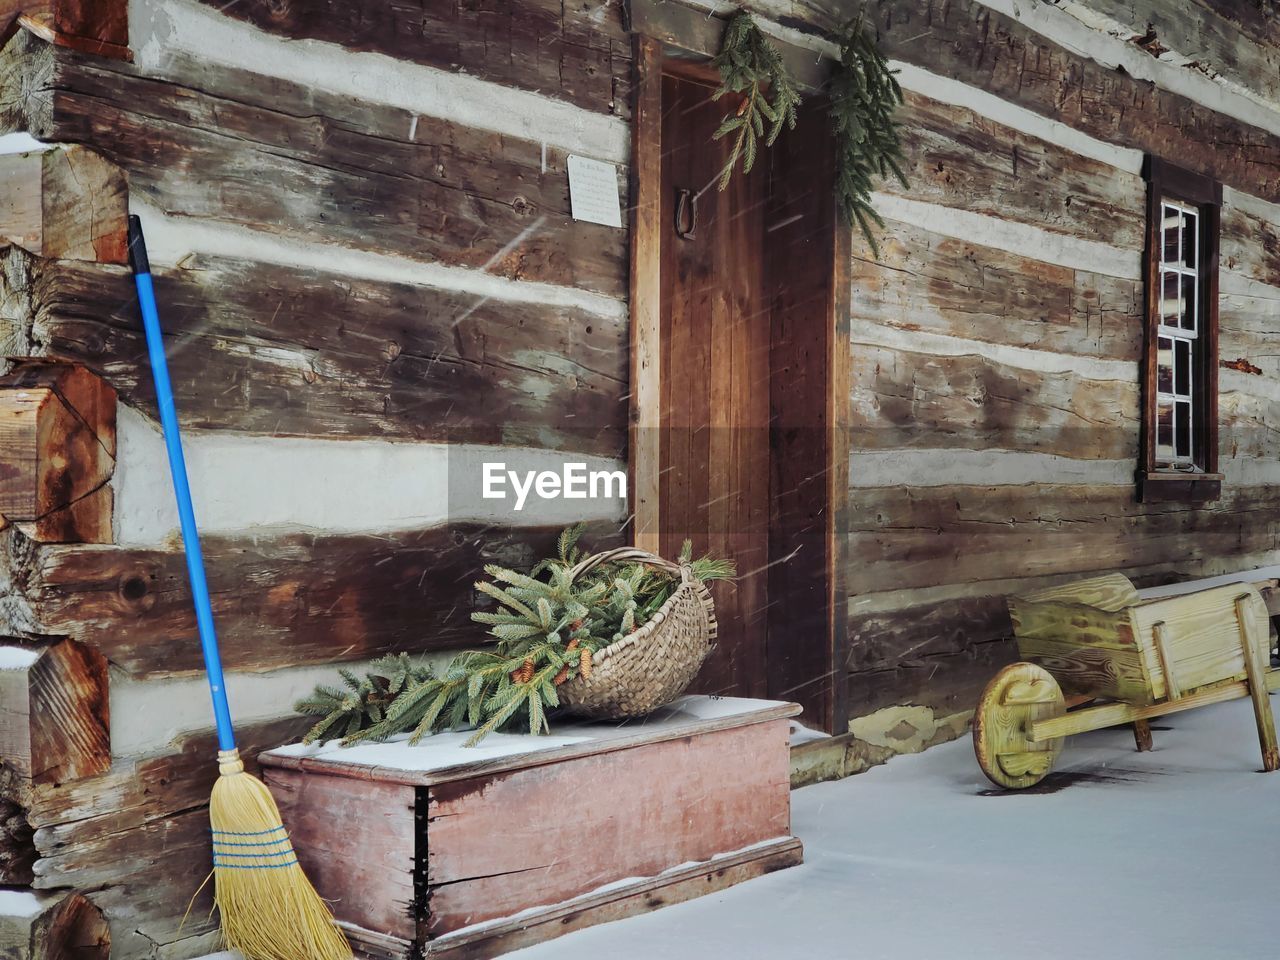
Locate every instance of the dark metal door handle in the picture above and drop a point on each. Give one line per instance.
(686, 213)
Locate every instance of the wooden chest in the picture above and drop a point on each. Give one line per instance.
(470, 852)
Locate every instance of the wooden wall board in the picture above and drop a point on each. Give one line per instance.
(312, 599)
(449, 194)
(575, 52)
(930, 536)
(905, 399)
(306, 352)
(959, 287)
(961, 160)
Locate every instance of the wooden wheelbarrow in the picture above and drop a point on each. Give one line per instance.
(1097, 640)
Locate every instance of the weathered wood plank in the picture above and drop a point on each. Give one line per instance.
(906, 399)
(927, 536)
(64, 202)
(962, 160)
(287, 601)
(55, 723)
(888, 639)
(947, 683)
(57, 452)
(926, 281)
(261, 349)
(577, 52)
(378, 178)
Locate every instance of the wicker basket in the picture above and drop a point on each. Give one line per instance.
(653, 665)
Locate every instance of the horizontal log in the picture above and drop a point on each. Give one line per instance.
(889, 639)
(1237, 42)
(961, 288)
(960, 159)
(376, 178)
(575, 52)
(1249, 241)
(55, 723)
(261, 349)
(903, 398)
(57, 452)
(289, 601)
(36, 926)
(100, 27)
(974, 44)
(64, 202)
(947, 683)
(902, 538)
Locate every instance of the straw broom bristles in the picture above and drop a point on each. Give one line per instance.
(269, 909)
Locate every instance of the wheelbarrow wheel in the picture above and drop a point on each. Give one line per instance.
(1016, 696)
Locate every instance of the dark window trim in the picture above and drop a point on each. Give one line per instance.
(1165, 179)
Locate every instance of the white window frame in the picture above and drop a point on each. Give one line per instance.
(1178, 334)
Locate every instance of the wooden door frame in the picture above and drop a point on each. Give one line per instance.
(827, 709)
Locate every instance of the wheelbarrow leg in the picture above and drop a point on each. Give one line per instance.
(1142, 735)
(1257, 676)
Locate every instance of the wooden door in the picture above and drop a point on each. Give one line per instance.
(715, 389)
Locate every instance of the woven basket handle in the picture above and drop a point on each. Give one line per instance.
(625, 554)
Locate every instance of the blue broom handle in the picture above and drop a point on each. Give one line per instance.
(181, 488)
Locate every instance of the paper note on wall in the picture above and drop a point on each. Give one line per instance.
(593, 191)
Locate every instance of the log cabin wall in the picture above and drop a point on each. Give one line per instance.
(996, 343)
(358, 220)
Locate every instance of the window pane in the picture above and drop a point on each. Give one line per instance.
(1182, 429)
(1190, 304)
(1164, 365)
(1164, 431)
(1189, 239)
(1171, 299)
(1182, 368)
(1169, 229)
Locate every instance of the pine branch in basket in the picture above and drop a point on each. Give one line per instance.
(547, 626)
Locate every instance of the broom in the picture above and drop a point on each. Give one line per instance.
(269, 909)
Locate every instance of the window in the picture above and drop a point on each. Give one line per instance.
(1180, 378)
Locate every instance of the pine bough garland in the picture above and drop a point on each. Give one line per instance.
(547, 628)
(748, 64)
(864, 95)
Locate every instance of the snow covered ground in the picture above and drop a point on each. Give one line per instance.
(1170, 854)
